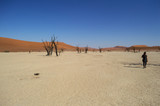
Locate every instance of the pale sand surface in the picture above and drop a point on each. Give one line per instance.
(72, 79)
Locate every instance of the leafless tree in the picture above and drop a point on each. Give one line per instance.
(139, 50)
(134, 49)
(80, 50)
(53, 40)
(62, 49)
(59, 52)
(49, 46)
(100, 49)
(86, 49)
(93, 50)
(127, 49)
(77, 49)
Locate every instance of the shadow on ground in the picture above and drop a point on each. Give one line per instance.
(138, 65)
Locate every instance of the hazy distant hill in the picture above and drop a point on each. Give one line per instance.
(144, 48)
(116, 48)
(139, 46)
(13, 45)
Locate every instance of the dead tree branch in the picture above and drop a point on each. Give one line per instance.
(49, 46)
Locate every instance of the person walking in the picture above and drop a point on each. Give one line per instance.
(144, 59)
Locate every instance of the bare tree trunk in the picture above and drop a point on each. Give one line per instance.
(127, 49)
(62, 49)
(49, 46)
(53, 40)
(77, 48)
(100, 49)
(93, 50)
(134, 49)
(56, 50)
(139, 50)
(59, 53)
(86, 49)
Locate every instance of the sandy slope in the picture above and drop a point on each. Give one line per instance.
(13, 45)
(93, 79)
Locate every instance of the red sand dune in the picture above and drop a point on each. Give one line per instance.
(13, 45)
(116, 48)
(144, 48)
(89, 49)
(139, 46)
(136, 47)
(120, 47)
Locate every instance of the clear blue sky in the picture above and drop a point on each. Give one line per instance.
(103, 23)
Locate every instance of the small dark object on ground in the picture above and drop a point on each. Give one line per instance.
(6, 51)
(36, 73)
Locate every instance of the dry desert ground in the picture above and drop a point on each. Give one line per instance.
(72, 79)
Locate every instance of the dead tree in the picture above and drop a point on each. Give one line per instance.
(127, 49)
(139, 50)
(80, 50)
(86, 49)
(59, 52)
(49, 46)
(77, 49)
(93, 50)
(134, 49)
(62, 49)
(100, 49)
(53, 40)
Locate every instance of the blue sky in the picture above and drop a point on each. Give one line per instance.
(103, 23)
